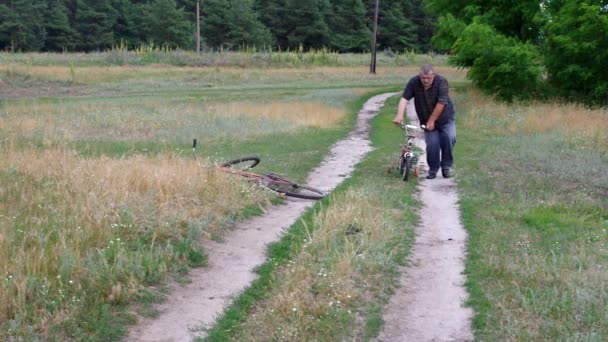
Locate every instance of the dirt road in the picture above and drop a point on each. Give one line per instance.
(192, 309)
(429, 304)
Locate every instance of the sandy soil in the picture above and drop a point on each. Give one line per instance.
(191, 309)
(429, 304)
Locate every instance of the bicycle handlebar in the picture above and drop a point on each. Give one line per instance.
(413, 128)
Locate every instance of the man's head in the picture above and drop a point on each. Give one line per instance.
(426, 75)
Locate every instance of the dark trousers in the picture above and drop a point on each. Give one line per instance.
(440, 145)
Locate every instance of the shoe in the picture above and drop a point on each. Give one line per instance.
(446, 173)
(431, 175)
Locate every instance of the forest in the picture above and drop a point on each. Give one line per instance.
(523, 50)
(97, 25)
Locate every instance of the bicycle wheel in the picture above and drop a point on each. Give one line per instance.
(292, 189)
(406, 167)
(243, 163)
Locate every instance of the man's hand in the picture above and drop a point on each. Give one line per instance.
(398, 120)
(430, 125)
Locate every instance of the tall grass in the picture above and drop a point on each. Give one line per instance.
(79, 233)
(583, 127)
(98, 206)
(247, 57)
(534, 197)
(161, 121)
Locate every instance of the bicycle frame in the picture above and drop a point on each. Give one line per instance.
(273, 181)
(408, 160)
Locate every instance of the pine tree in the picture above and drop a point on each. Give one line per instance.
(346, 20)
(232, 24)
(22, 25)
(245, 27)
(60, 35)
(396, 31)
(94, 20)
(165, 25)
(305, 25)
(127, 27)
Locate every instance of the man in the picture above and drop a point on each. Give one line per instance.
(436, 111)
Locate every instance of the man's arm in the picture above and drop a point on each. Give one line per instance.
(430, 124)
(400, 111)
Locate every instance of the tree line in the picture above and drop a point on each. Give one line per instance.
(97, 25)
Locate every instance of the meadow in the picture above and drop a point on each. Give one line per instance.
(103, 201)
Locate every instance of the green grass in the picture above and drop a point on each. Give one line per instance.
(536, 212)
(102, 203)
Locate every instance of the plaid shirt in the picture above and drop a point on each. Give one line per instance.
(426, 100)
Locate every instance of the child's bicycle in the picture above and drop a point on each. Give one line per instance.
(407, 164)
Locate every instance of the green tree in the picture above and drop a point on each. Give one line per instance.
(94, 21)
(424, 21)
(510, 18)
(506, 68)
(233, 23)
(576, 50)
(271, 14)
(306, 26)
(22, 25)
(59, 34)
(128, 23)
(395, 30)
(245, 27)
(165, 24)
(346, 20)
(295, 23)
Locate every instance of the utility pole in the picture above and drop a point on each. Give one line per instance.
(372, 64)
(198, 27)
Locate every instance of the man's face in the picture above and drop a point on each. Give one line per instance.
(427, 79)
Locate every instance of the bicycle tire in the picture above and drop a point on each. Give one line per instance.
(292, 189)
(301, 191)
(253, 162)
(407, 167)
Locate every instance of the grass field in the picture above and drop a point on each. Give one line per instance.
(102, 202)
(534, 194)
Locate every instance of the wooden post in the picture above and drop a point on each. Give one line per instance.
(372, 64)
(198, 27)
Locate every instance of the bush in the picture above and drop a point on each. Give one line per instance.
(498, 65)
(575, 50)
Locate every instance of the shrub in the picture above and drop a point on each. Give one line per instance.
(499, 65)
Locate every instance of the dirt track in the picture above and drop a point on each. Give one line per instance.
(193, 308)
(427, 307)
(429, 304)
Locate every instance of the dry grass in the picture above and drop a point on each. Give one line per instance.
(99, 74)
(306, 114)
(340, 269)
(69, 226)
(584, 126)
(160, 120)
